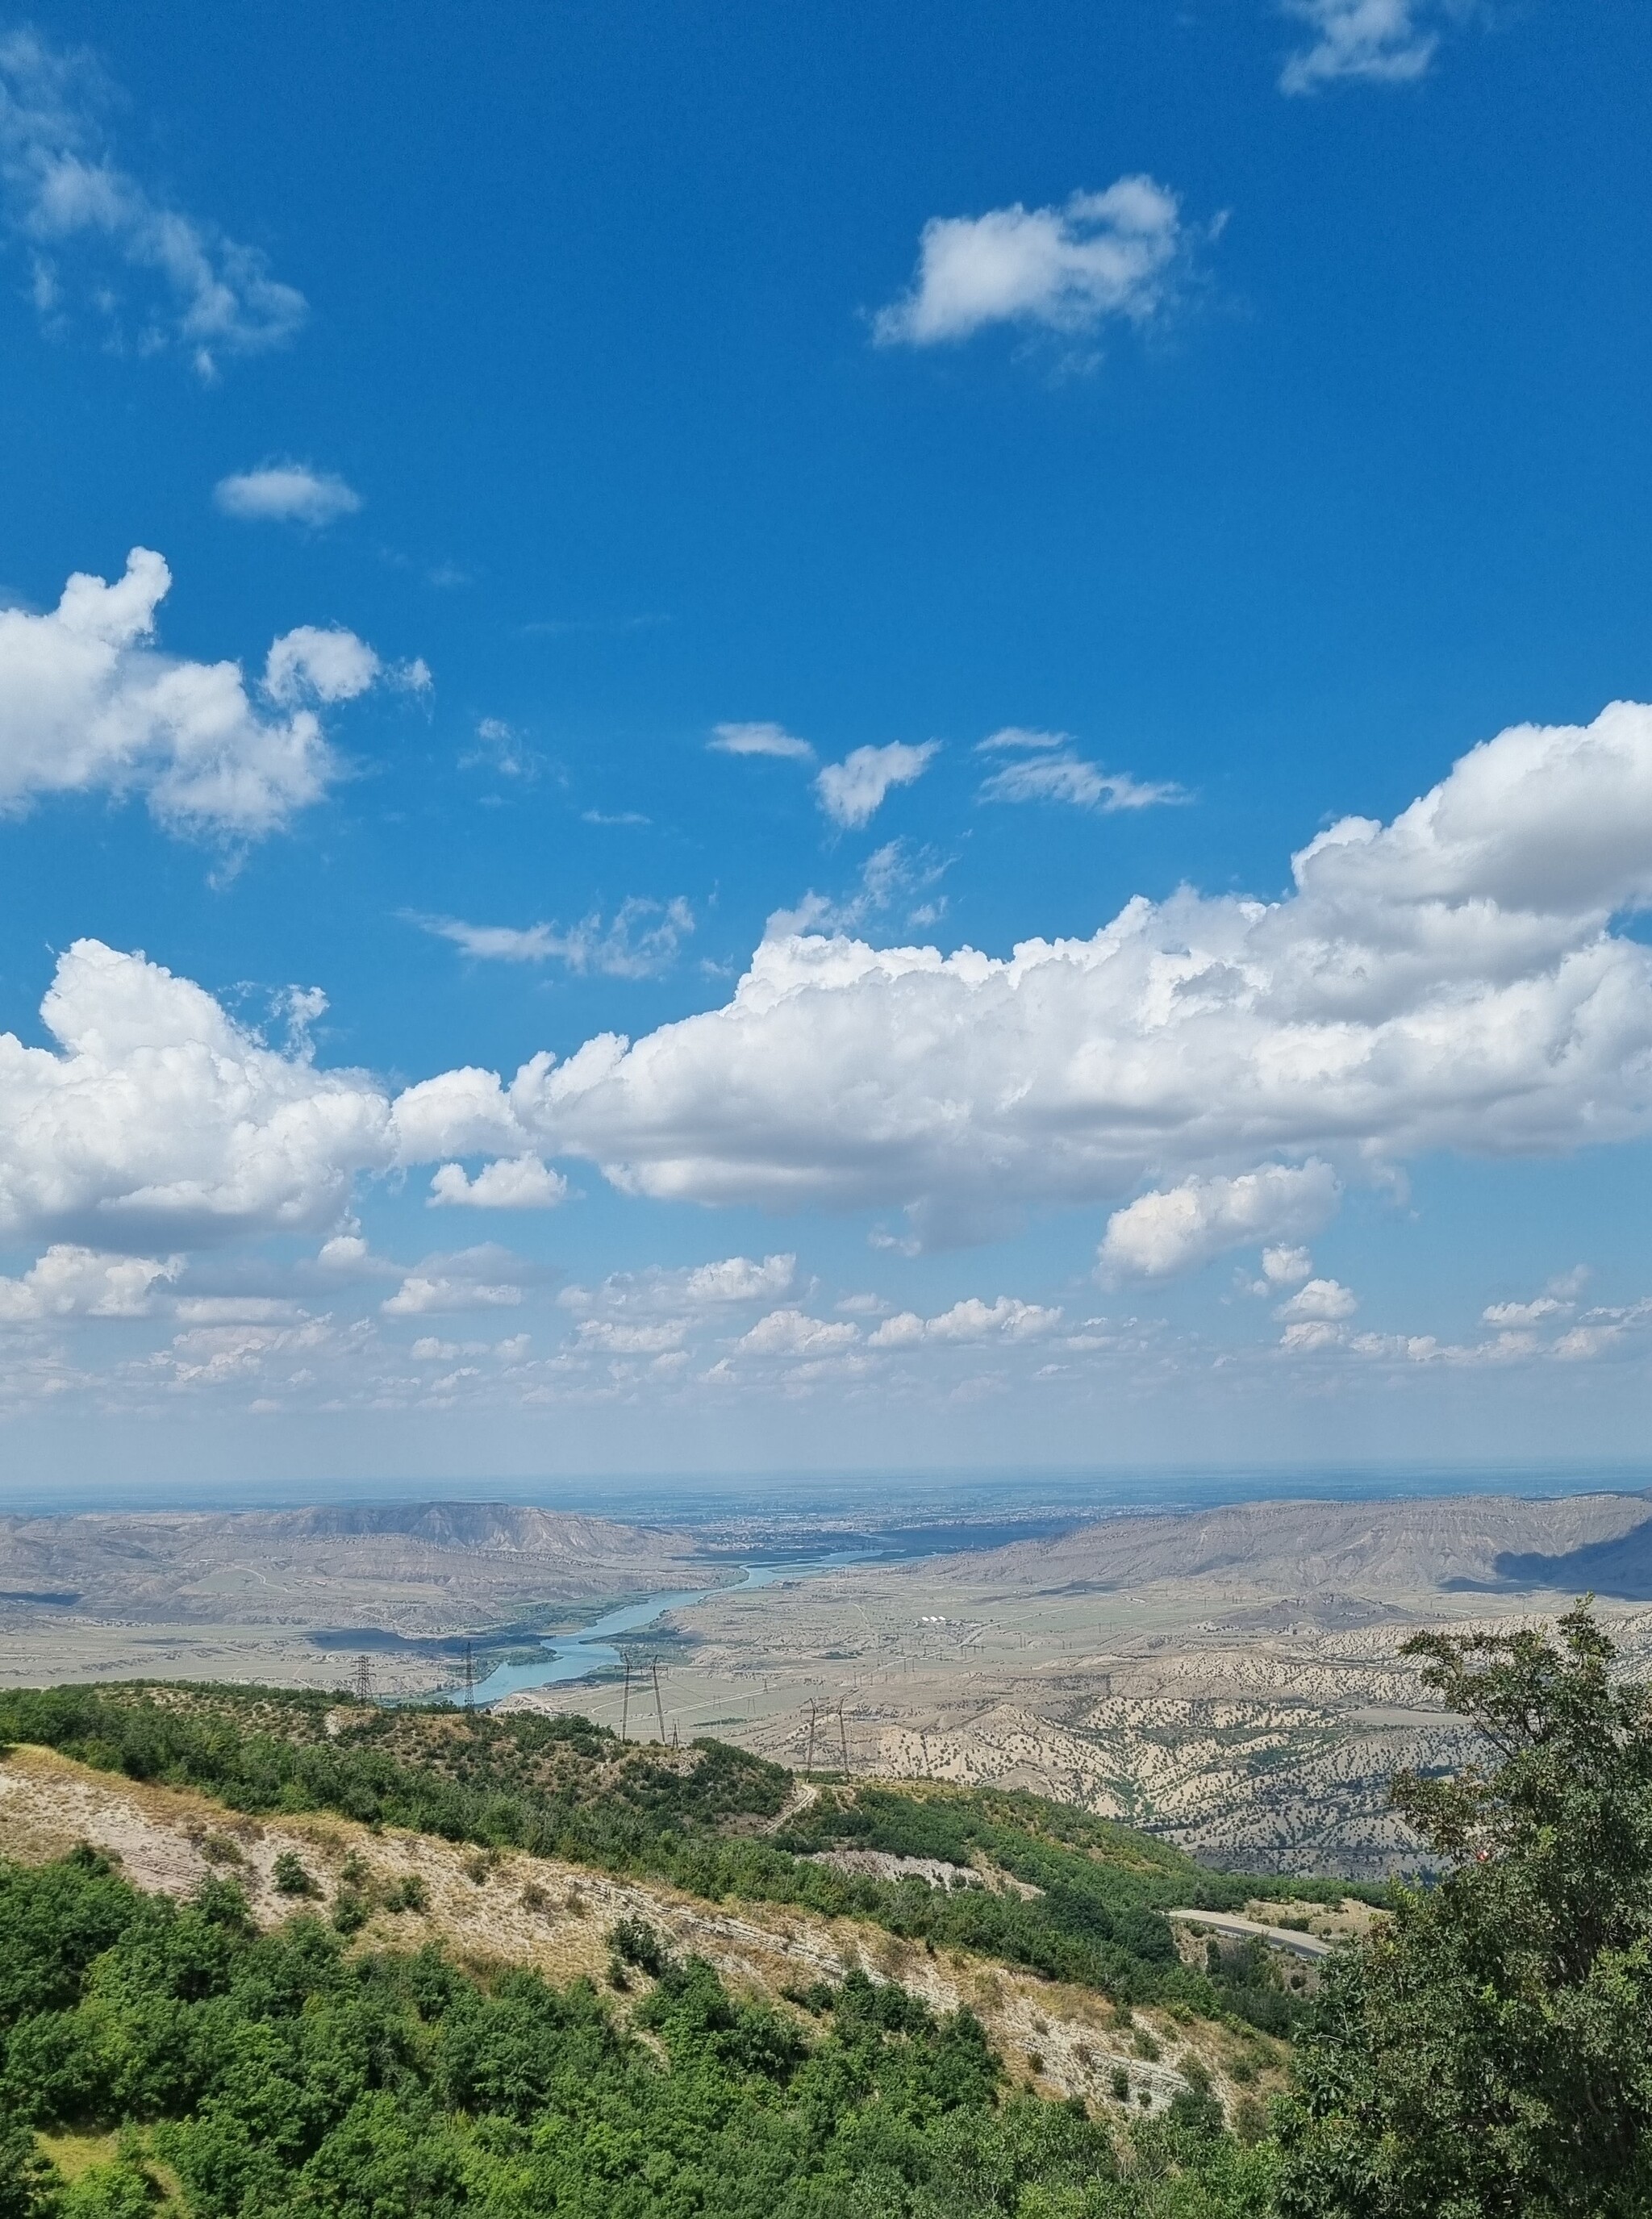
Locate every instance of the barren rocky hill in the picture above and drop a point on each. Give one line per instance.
(414, 1568)
(1386, 1550)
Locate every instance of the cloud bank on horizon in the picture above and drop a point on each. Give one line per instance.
(1452, 979)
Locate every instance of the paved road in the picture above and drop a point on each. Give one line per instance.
(1281, 1938)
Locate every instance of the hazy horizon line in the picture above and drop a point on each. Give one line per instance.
(700, 1496)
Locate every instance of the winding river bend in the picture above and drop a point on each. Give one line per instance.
(577, 1656)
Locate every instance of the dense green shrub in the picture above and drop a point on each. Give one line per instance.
(280, 2077)
(289, 1876)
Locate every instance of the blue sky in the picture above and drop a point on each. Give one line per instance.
(721, 516)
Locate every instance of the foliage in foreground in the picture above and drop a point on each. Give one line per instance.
(560, 1786)
(270, 2076)
(1489, 2052)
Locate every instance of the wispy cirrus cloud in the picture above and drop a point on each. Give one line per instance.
(1046, 767)
(760, 739)
(852, 791)
(1377, 41)
(102, 245)
(642, 939)
(1099, 256)
(895, 874)
(502, 749)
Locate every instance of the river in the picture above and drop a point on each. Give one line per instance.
(576, 1656)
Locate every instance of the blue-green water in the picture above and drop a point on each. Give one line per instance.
(577, 1656)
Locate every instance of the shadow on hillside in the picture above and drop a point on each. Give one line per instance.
(1622, 1568)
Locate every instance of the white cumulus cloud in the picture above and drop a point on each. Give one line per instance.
(1523, 1313)
(1451, 979)
(760, 739)
(507, 1183)
(741, 1279)
(1382, 41)
(319, 662)
(1309, 1335)
(1286, 1267)
(699, 1287)
(1321, 1301)
(286, 492)
(1099, 255)
(1178, 1228)
(968, 1321)
(852, 791)
(71, 1281)
(89, 704)
(155, 1112)
(98, 241)
(482, 1278)
(792, 1332)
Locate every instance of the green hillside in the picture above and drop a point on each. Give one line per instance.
(709, 1818)
(1481, 2055)
(238, 2075)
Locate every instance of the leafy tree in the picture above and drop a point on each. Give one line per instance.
(30, 2186)
(120, 2191)
(1489, 2052)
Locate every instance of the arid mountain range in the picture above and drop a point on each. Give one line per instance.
(1230, 1677)
(1379, 1551)
(256, 1594)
